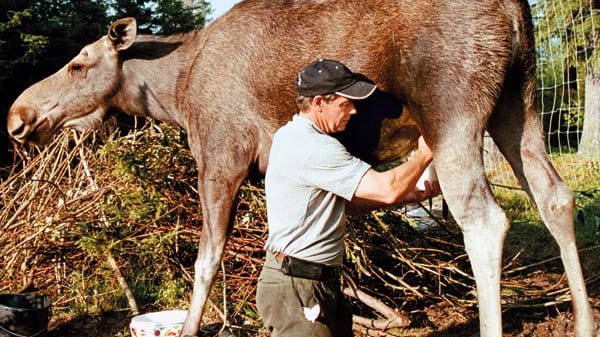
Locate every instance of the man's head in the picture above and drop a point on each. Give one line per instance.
(323, 77)
(326, 90)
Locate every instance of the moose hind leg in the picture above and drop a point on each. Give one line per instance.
(520, 139)
(459, 164)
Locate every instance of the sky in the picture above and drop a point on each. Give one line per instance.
(221, 6)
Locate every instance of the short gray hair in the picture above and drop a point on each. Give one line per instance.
(303, 102)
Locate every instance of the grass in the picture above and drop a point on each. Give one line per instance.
(528, 238)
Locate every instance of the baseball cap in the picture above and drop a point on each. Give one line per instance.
(323, 77)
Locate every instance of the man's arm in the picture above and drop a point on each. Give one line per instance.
(379, 189)
(360, 206)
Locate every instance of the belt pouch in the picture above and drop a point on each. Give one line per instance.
(300, 268)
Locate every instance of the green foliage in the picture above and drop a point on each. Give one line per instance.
(85, 287)
(173, 17)
(140, 189)
(162, 16)
(67, 25)
(587, 216)
(140, 9)
(528, 237)
(140, 214)
(566, 26)
(566, 41)
(29, 46)
(149, 174)
(33, 44)
(587, 201)
(96, 243)
(38, 37)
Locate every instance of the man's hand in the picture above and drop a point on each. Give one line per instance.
(416, 195)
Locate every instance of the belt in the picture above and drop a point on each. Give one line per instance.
(293, 266)
(278, 256)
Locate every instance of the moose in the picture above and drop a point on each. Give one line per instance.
(460, 68)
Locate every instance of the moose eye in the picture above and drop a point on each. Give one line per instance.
(74, 67)
(77, 69)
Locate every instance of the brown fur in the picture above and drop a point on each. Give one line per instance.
(461, 67)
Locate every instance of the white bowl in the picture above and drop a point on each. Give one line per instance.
(158, 324)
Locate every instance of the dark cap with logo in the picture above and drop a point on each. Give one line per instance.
(324, 77)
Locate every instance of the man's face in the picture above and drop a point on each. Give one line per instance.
(336, 113)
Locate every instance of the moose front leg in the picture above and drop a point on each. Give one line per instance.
(217, 200)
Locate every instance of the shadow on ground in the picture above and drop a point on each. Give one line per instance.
(116, 324)
(433, 321)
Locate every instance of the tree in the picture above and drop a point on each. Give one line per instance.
(69, 25)
(41, 36)
(174, 16)
(37, 37)
(141, 10)
(590, 140)
(163, 16)
(567, 39)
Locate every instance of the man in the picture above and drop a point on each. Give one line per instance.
(310, 180)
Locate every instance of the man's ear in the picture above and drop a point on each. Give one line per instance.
(318, 102)
(122, 33)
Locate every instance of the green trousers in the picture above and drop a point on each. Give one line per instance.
(298, 307)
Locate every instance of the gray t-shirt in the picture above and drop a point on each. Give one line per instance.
(308, 177)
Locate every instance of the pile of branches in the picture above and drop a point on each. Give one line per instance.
(89, 218)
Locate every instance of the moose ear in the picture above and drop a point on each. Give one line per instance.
(122, 33)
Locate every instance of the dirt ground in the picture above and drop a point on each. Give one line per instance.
(540, 317)
(433, 321)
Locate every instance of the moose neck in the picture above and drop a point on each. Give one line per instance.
(149, 80)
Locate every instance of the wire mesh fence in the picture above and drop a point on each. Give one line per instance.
(567, 35)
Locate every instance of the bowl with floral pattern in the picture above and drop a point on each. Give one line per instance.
(158, 324)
